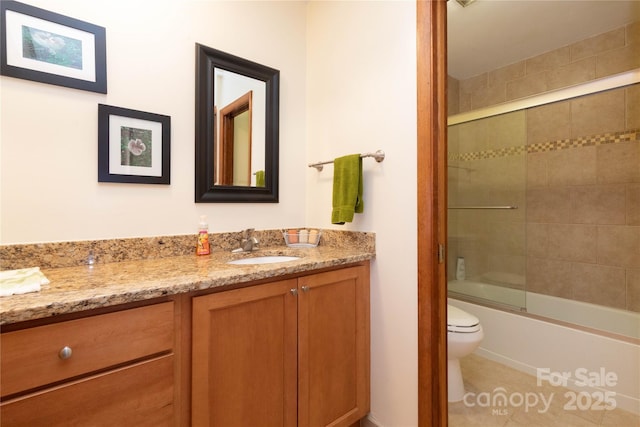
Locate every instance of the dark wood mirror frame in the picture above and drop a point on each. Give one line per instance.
(206, 60)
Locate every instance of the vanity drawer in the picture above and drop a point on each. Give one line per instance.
(35, 357)
(140, 395)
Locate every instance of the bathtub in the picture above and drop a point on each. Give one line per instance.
(533, 345)
(607, 319)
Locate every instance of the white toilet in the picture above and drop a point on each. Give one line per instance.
(464, 334)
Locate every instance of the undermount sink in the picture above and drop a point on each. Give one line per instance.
(264, 259)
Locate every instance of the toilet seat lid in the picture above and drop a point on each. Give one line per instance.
(461, 321)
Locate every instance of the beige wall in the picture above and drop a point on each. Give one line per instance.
(48, 134)
(361, 69)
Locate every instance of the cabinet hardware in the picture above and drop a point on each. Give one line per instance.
(65, 353)
(306, 289)
(294, 291)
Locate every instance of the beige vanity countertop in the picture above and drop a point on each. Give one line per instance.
(74, 289)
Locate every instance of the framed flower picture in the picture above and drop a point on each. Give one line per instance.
(133, 146)
(47, 47)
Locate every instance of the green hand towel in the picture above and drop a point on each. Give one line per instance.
(260, 179)
(347, 188)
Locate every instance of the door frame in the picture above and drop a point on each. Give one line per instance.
(228, 115)
(431, 29)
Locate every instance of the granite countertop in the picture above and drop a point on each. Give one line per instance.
(77, 288)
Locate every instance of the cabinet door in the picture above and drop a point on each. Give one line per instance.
(333, 347)
(244, 357)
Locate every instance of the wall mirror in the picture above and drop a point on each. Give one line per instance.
(237, 103)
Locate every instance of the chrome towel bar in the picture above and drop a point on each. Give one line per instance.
(378, 155)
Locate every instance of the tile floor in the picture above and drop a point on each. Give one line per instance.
(483, 376)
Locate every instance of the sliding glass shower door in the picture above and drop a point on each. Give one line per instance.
(487, 179)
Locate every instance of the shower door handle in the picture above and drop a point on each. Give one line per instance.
(482, 207)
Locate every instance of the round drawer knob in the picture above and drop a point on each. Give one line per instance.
(306, 289)
(65, 353)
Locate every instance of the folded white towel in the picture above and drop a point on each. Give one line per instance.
(13, 282)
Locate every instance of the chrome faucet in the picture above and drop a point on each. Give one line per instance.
(249, 242)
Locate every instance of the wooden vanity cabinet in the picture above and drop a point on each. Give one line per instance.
(292, 352)
(113, 369)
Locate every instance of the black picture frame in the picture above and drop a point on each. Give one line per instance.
(47, 47)
(133, 146)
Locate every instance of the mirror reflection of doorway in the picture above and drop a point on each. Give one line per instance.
(235, 142)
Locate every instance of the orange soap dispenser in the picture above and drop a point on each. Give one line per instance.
(203, 247)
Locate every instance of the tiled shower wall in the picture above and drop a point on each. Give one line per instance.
(607, 54)
(583, 199)
(573, 170)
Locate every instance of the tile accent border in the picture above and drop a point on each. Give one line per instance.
(563, 144)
